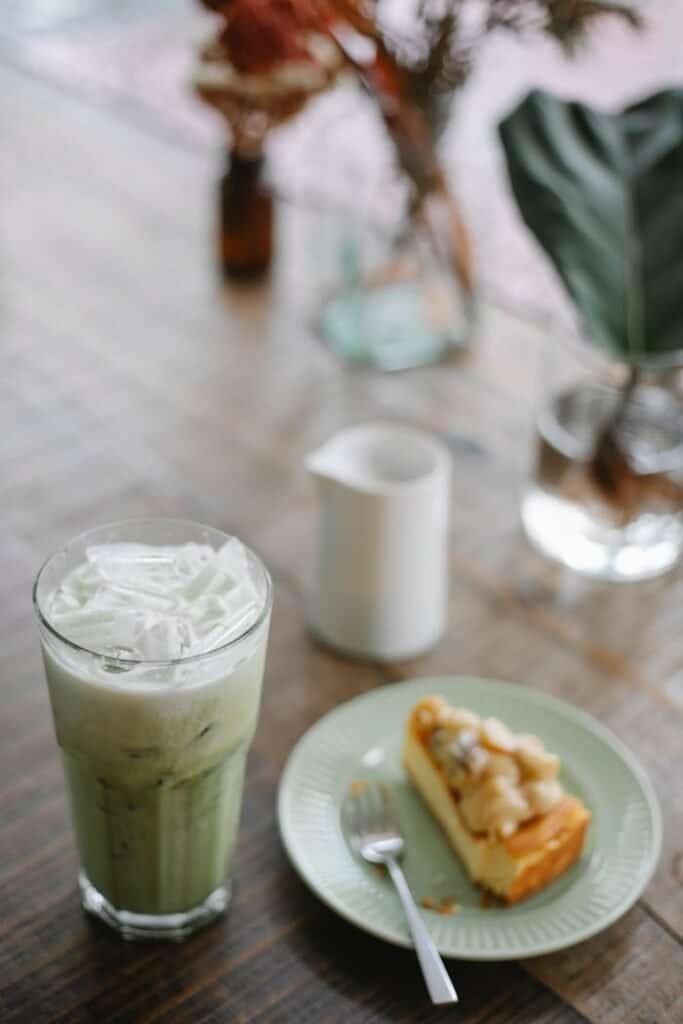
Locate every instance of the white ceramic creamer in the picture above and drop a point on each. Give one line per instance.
(380, 576)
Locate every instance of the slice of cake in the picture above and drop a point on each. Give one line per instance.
(496, 795)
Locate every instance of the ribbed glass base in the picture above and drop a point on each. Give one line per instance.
(175, 927)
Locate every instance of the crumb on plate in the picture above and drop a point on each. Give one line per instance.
(444, 906)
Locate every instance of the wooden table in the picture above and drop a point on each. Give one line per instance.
(133, 385)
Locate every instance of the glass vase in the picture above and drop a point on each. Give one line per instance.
(390, 276)
(396, 303)
(606, 493)
(245, 216)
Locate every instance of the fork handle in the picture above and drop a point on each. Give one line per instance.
(439, 985)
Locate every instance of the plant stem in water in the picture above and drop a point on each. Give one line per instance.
(610, 468)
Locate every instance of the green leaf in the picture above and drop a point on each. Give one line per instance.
(603, 194)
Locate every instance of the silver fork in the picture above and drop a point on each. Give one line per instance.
(375, 834)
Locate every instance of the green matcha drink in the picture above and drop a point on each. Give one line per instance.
(154, 639)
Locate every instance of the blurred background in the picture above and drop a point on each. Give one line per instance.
(135, 59)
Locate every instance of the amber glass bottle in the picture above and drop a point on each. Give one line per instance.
(245, 237)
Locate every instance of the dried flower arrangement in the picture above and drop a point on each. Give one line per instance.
(270, 56)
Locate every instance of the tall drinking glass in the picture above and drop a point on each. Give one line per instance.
(154, 746)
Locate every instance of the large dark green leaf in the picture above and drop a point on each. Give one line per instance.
(603, 194)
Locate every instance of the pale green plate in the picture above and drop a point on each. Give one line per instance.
(362, 740)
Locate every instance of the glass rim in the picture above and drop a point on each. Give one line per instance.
(153, 663)
(595, 355)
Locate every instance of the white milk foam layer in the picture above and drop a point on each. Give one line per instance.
(157, 603)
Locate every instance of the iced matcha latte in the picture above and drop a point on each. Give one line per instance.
(154, 639)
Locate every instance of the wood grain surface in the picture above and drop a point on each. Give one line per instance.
(132, 384)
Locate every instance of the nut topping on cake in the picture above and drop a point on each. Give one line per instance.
(502, 780)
